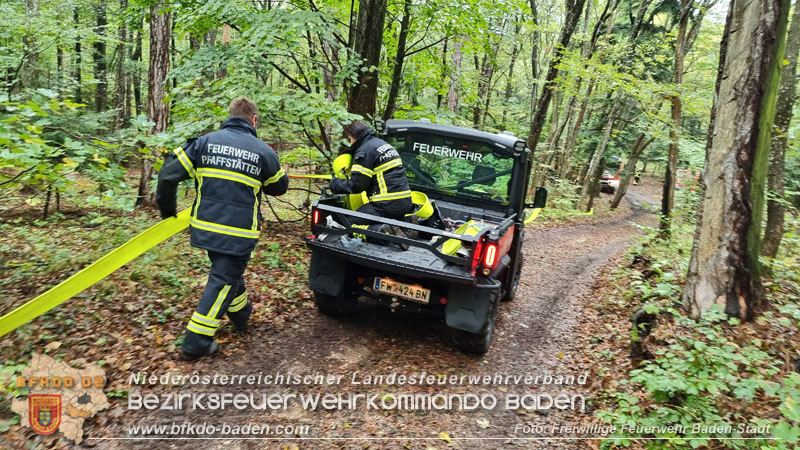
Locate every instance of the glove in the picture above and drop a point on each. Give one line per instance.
(167, 213)
(336, 186)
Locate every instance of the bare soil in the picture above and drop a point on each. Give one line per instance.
(539, 332)
(542, 332)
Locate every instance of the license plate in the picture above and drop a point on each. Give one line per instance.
(407, 291)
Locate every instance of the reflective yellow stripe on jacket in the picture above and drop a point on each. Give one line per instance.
(389, 165)
(362, 170)
(185, 162)
(253, 232)
(224, 229)
(390, 196)
(228, 175)
(383, 191)
(275, 177)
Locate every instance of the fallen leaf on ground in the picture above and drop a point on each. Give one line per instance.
(52, 346)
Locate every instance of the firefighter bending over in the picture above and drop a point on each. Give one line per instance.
(378, 170)
(231, 168)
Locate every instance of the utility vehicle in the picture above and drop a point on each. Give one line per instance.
(461, 260)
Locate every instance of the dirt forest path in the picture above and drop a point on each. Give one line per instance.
(535, 334)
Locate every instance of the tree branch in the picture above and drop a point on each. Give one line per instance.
(407, 54)
(82, 138)
(305, 89)
(11, 180)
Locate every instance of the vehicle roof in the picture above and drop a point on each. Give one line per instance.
(505, 140)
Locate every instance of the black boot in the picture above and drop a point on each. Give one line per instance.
(212, 350)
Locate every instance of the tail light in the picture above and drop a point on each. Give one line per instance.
(485, 257)
(315, 217)
(476, 255)
(490, 256)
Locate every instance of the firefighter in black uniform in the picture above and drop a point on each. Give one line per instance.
(378, 170)
(231, 168)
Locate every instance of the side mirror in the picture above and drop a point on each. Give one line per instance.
(539, 199)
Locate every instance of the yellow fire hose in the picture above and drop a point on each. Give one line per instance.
(318, 177)
(129, 251)
(534, 213)
(95, 272)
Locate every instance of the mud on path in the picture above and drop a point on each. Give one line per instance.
(535, 334)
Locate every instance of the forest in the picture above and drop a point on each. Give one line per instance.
(695, 97)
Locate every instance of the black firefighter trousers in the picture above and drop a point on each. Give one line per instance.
(224, 293)
(394, 209)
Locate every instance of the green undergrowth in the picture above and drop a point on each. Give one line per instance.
(139, 312)
(730, 384)
(562, 198)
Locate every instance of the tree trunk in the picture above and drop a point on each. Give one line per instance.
(630, 168)
(210, 38)
(608, 15)
(29, 74)
(694, 31)
(594, 187)
(443, 77)
(78, 59)
(546, 157)
(46, 210)
(452, 94)
(561, 157)
(601, 149)
(534, 57)
(554, 136)
(351, 28)
(368, 42)
(120, 76)
(399, 58)
(573, 8)
(773, 233)
(128, 97)
(59, 68)
(484, 84)
(329, 70)
(226, 40)
(99, 59)
(136, 78)
(668, 195)
(488, 102)
(510, 76)
(157, 109)
(555, 117)
(724, 267)
(639, 20)
(572, 136)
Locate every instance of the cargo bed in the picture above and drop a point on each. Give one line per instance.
(422, 255)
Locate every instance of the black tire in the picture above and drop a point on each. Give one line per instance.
(511, 292)
(478, 343)
(335, 306)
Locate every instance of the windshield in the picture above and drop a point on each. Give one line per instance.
(455, 166)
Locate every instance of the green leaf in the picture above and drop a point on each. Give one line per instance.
(665, 289)
(790, 409)
(787, 433)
